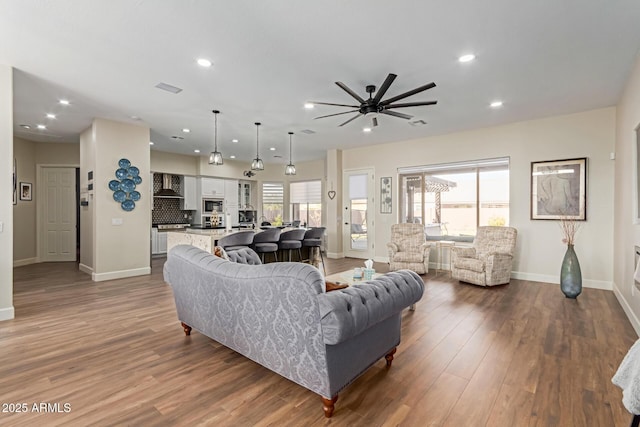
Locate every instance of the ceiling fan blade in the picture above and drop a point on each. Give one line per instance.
(336, 114)
(394, 114)
(351, 119)
(335, 105)
(411, 104)
(385, 86)
(374, 121)
(407, 94)
(350, 92)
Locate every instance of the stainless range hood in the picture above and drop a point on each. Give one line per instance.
(166, 191)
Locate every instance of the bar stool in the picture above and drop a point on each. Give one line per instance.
(235, 241)
(313, 239)
(292, 239)
(266, 242)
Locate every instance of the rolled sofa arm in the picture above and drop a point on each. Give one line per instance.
(348, 312)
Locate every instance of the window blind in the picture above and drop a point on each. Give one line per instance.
(272, 193)
(305, 192)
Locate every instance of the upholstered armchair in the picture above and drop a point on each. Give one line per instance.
(408, 248)
(489, 261)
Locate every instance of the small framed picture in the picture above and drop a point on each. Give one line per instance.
(385, 195)
(25, 191)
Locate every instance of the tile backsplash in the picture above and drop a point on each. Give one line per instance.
(167, 211)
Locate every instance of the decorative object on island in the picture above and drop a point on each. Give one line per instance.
(257, 164)
(215, 158)
(385, 195)
(559, 189)
(290, 169)
(124, 188)
(25, 191)
(570, 273)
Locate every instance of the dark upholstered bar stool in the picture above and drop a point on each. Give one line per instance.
(235, 241)
(313, 239)
(266, 242)
(292, 239)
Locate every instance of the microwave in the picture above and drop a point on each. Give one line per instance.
(210, 206)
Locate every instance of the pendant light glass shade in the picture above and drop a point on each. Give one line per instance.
(215, 157)
(257, 164)
(290, 169)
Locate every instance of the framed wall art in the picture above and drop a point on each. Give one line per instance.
(559, 189)
(385, 195)
(25, 191)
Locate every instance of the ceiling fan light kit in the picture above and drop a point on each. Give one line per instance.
(375, 105)
(215, 158)
(257, 164)
(290, 169)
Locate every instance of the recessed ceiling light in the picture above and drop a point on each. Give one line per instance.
(42, 127)
(272, 148)
(232, 157)
(51, 116)
(496, 104)
(366, 129)
(467, 58)
(134, 117)
(196, 151)
(234, 140)
(185, 130)
(64, 101)
(25, 126)
(150, 142)
(308, 106)
(204, 62)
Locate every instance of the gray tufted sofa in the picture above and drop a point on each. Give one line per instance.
(279, 316)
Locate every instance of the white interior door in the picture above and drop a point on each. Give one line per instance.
(57, 213)
(358, 214)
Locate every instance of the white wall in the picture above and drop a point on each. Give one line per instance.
(540, 251)
(6, 193)
(626, 230)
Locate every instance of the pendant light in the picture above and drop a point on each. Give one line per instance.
(215, 158)
(290, 169)
(257, 164)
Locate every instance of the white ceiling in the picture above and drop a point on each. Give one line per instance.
(542, 58)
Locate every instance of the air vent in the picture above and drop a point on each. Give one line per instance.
(418, 123)
(277, 156)
(177, 138)
(168, 88)
(308, 131)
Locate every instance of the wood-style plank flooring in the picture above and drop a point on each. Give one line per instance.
(515, 355)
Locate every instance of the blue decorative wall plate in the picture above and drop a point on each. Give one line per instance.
(124, 163)
(119, 196)
(114, 185)
(128, 205)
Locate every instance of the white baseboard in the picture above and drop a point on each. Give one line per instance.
(7, 313)
(100, 277)
(546, 278)
(85, 268)
(335, 255)
(627, 309)
(25, 261)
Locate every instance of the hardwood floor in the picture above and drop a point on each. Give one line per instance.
(515, 355)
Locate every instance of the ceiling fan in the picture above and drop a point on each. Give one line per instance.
(375, 105)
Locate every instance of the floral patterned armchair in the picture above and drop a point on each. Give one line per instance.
(489, 261)
(408, 248)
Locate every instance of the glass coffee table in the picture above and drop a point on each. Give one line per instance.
(346, 278)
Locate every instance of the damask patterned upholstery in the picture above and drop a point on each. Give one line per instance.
(278, 315)
(490, 260)
(408, 248)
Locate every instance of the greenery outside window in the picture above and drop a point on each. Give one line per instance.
(306, 202)
(272, 202)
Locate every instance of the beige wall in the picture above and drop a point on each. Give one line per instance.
(57, 153)
(120, 250)
(177, 164)
(6, 193)
(626, 228)
(540, 251)
(87, 231)
(24, 212)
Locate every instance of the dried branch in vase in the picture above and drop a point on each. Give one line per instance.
(569, 228)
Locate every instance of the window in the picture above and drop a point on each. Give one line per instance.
(306, 202)
(272, 202)
(455, 199)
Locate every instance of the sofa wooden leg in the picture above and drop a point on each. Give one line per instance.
(187, 328)
(389, 357)
(328, 405)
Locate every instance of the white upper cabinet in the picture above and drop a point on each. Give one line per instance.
(231, 192)
(212, 187)
(190, 193)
